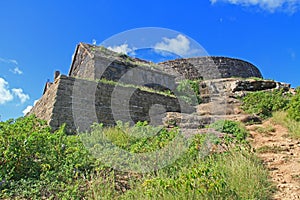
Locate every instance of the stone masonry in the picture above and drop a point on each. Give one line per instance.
(81, 98)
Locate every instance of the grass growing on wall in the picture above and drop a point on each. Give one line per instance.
(121, 84)
(188, 91)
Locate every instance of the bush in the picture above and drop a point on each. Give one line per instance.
(230, 127)
(294, 106)
(292, 125)
(236, 174)
(37, 163)
(188, 91)
(264, 103)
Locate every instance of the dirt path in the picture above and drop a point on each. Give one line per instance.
(281, 155)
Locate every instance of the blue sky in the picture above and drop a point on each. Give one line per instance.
(39, 37)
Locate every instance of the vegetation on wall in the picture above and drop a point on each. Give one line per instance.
(188, 91)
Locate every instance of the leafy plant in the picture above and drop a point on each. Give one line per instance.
(294, 106)
(264, 103)
(188, 91)
(231, 127)
(38, 164)
(35, 161)
(292, 125)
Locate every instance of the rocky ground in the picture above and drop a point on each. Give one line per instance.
(281, 156)
(279, 153)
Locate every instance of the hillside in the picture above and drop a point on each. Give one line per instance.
(280, 155)
(223, 160)
(119, 127)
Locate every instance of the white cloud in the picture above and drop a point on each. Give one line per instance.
(20, 94)
(5, 94)
(123, 48)
(13, 61)
(13, 64)
(28, 108)
(290, 6)
(9, 61)
(180, 45)
(16, 70)
(94, 42)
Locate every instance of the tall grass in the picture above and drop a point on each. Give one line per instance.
(292, 125)
(232, 175)
(245, 174)
(62, 168)
(235, 174)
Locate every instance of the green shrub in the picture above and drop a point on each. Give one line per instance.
(294, 106)
(36, 163)
(245, 174)
(236, 174)
(231, 127)
(263, 103)
(292, 125)
(188, 91)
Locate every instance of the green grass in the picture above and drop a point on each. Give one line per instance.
(246, 175)
(293, 126)
(271, 149)
(294, 106)
(267, 130)
(237, 174)
(61, 168)
(140, 87)
(264, 103)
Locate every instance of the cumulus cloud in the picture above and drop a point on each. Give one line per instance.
(5, 94)
(20, 94)
(269, 5)
(28, 108)
(16, 70)
(123, 48)
(180, 45)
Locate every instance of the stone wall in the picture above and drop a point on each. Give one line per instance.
(79, 103)
(94, 63)
(44, 106)
(82, 64)
(80, 99)
(211, 68)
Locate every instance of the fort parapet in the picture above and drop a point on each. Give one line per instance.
(90, 92)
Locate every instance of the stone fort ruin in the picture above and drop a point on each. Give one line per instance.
(103, 86)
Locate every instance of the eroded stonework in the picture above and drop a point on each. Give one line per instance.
(80, 98)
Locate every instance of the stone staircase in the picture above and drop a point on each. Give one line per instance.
(220, 100)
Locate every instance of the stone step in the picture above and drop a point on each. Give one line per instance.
(219, 108)
(193, 121)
